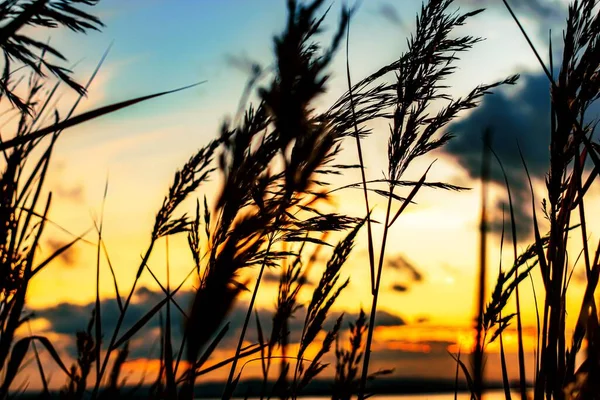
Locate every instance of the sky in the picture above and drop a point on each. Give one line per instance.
(158, 45)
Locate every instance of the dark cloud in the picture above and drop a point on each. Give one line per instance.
(514, 115)
(523, 116)
(144, 294)
(383, 318)
(548, 11)
(236, 317)
(67, 319)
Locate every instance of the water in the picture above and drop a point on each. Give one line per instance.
(494, 395)
(425, 396)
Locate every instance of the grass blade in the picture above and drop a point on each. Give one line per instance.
(362, 164)
(521, 351)
(140, 324)
(87, 116)
(411, 195)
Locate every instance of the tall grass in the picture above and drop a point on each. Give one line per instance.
(413, 133)
(29, 95)
(563, 369)
(274, 162)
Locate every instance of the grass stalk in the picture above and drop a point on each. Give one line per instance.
(97, 308)
(362, 165)
(513, 223)
(228, 385)
(373, 311)
(121, 318)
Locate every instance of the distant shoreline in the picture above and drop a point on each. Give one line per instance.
(322, 387)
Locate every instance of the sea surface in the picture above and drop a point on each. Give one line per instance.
(444, 396)
(494, 395)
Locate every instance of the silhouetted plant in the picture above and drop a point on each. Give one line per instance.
(274, 161)
(27, 152)
(26, 51)
(348, 361)
(86, 356)
(571, 94)
(413, 132)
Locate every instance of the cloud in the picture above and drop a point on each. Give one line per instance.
(522, 116)
(67, 319)
(521, 119)
(384, 318)
(296, 324)
(423, 357)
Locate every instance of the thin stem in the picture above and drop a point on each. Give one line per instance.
(228, 392)
(362, 165)
(98, 315)
(535, 52)
(367, 358)
(113, 339)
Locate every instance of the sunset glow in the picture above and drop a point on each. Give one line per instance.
(109, 177)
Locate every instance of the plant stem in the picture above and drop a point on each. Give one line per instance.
(228, 391)
(122, 317)
(367, 358)
(362, 164)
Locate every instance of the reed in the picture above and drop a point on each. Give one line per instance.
(558, 374)
(274, 161)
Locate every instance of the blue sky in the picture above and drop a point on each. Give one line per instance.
(166, 44)
(161, 45)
